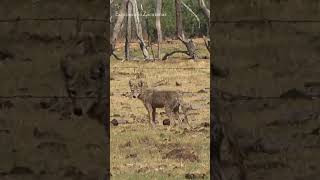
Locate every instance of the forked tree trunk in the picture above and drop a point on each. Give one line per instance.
(158, 25)
(128, 31)
(139, 29)
(180, 33)
(119, 24)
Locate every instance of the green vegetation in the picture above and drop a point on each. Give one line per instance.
(168, 21)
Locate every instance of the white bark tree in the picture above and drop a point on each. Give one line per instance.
(119, 23)
(158, 24)
(139, 28)
(128, 31)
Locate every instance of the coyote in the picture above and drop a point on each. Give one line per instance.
(152, 99)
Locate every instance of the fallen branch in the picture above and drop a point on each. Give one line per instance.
(165, 57)
(116, 56)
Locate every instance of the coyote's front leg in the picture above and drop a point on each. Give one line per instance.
(152, 114)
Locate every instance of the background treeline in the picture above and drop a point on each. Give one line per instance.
(168, 21)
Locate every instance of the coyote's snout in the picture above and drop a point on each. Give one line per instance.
(171, 101)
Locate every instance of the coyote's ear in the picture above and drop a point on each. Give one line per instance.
(130, 83)
(141, 83)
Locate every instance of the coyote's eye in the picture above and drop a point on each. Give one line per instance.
(72, 92)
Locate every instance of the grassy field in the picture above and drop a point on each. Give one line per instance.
(139, 152)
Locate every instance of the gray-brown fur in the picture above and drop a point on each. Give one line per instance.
(152, 99)
(85, 84)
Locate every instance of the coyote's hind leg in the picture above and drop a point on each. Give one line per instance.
(170, 114)
(185, 108)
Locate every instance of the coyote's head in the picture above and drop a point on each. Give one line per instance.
(84, 78)
(137, 86)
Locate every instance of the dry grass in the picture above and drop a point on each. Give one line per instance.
(139, 152)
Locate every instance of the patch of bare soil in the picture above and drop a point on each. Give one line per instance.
(181, 154)
(127, 144)
(195, 176)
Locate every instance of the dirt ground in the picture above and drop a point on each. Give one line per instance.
(139, 152)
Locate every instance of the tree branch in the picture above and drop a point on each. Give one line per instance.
(204, 8)
(194, 14)
(165, 57)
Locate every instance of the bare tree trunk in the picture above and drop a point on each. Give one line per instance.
(117, 26)
(128, 31)
(111, 16)
(149, 38)
(158, 25)
(180, 33)
(139, 28)
(179, 27)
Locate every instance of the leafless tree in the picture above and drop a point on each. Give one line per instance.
(133, 9)
(158, 24)
(139, 28)
(119, 22)
(181, 36)
(128, 31)
(180, 32)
